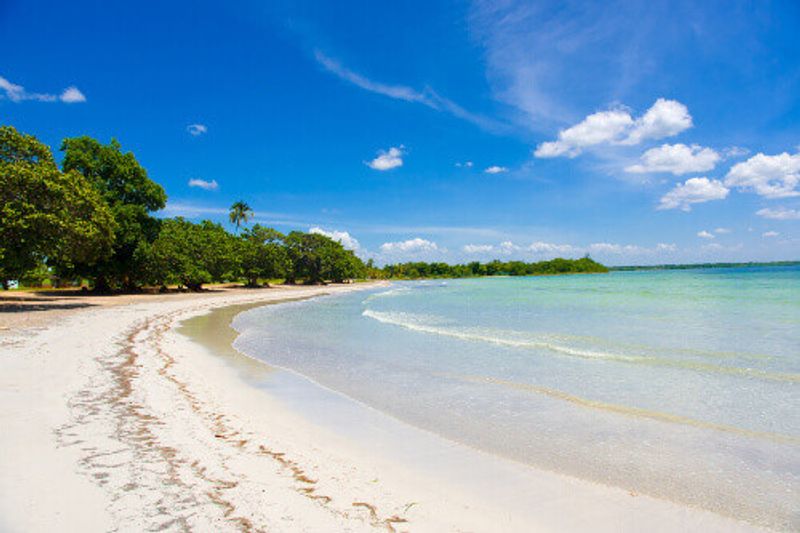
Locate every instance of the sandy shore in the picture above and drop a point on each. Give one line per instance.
(112, 420)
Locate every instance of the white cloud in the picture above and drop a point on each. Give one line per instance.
(478, 248)
(204, 184)
(465, 164)
(597, 128)
(17, 93)
(735, 151)
(428, 97)
(550, 248)
(494, 169)
(508, 247)
(543, 250)
(770, 234)
(196, 129)
(693, 191)
(677, 159)
(412, 246)
(722, 231)
(664, 119)
(72, 95)
(387, 159)
(779, 213)
(347, 240)
(705, 235)
(771, 176)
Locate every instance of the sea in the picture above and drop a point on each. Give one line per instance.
(679, 384)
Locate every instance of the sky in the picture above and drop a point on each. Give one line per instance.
(635, 132)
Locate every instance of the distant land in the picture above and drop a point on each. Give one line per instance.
(703, 265)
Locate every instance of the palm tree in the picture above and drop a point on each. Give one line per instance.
(240, 213)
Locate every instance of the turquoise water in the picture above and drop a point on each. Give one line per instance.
(678, 384)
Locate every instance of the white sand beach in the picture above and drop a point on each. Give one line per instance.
(114, 421)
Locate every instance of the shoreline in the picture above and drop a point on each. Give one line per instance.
(152, 430)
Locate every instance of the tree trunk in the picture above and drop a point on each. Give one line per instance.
(101, 284)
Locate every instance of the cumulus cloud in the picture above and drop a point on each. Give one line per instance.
(676, 158)
(705, 235)
(204, 184)
(410, 246)
(693, 191)
(551, 248)
(597, 128)
(665, 118)
(478, 248)
(343, 237)
(465, 164)
(779, 213)
(494, 169)
(771, 176)
(196, 129)
(18, 93)
(770, 234)
(387, 159)
(72, 95)
(542, 249)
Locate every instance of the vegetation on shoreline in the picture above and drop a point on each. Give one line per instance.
(703, 265)
(556, 266)
(93, 220)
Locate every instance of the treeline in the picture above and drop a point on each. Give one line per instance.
(706, 265)
(584, 265)
(92, 219)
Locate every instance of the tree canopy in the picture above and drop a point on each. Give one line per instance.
(239, 214)
(93, 219)
(415, 270)
(262, 255)
(131, 196)
(46, 214)
(316, 258)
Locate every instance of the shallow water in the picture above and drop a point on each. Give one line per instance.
(678, 384)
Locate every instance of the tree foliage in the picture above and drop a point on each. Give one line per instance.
(317, 258)
(131, 194)
(239, 214)
(46, 214)
(188, 254)
(418, 270)
(262, 255)
(93, 219)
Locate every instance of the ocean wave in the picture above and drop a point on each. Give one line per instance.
(432, 325)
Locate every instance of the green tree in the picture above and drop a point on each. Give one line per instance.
(46, 214)
(132, 196)
(188, 254)
(262, 255)
(240, 213)
(316, 258)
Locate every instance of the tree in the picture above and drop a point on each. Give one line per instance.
(188, 254)
(262, 255)
(317, 258)
(130, 193)
(46, 214)
(240, 213)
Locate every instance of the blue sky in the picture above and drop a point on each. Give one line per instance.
(638, 132)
